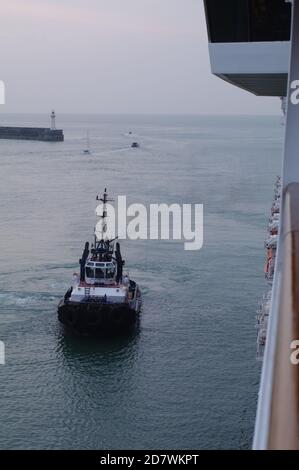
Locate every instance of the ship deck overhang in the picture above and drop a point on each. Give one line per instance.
(260, 68)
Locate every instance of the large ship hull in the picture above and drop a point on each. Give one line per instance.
(97, 319)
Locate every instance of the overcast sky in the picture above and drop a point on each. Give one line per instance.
(113, 56)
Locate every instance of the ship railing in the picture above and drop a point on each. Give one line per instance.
(277, 424)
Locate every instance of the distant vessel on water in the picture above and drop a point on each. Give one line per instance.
(135, 145)
(87, 148)
(101, 301)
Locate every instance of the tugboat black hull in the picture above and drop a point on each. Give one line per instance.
(94, 319)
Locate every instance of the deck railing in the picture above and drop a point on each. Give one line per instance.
(277, 425)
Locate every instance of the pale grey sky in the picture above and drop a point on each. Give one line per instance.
(113, 56)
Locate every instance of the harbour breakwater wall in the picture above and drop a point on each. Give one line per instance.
(32, 133)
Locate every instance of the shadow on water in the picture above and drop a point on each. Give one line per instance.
(82, 349)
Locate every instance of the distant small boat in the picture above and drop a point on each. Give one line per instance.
(87, 149)
(135, 145)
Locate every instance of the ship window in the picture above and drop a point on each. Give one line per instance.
(248, 20)
(269, 21)
(89, 272)
(110, 272)
(227, 21)
(100, 273)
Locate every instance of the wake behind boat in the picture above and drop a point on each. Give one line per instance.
(102, 300)
(86, 150)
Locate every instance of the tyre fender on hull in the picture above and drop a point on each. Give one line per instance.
(120, 317)
(71, 317)
(94, 318)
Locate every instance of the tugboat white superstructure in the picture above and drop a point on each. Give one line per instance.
(102, 300)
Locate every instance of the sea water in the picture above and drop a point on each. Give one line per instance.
(187, 378)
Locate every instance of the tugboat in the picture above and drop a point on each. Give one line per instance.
(102, 300)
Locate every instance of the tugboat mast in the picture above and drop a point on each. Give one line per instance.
(103, 231)
(103, 246)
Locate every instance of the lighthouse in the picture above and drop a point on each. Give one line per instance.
(53, 118)
(49, 134)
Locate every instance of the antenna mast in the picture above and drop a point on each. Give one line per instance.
(104, 199)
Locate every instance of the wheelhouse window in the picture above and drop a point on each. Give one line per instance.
(100, 273)
(89, 272)
(248, 20)
(110, 272)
